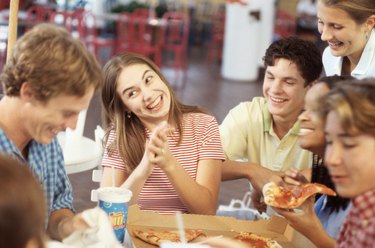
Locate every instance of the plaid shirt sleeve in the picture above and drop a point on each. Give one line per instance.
(47, 162)
(62, 189)
(63, 192)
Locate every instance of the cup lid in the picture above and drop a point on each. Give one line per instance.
(114, 194)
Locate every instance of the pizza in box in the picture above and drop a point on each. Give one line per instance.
(253, 240)
(156, 237)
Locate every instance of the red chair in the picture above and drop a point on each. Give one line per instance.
(176, 40)
(37, 14)
(89, 34)
(217, 36)
(144, 12)
(71, 20)
(145, 36)
(123, 40)
(285, 25)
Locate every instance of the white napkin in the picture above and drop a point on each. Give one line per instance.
(99, 235)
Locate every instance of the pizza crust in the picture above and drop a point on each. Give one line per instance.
(253, 240)
(157, 237)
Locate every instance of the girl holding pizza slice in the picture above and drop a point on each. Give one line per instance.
(167, 153)
(320, 222)
(349, 115)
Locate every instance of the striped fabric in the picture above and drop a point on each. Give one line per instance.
(201, 141)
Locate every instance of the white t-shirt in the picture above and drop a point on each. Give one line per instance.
(364, 69)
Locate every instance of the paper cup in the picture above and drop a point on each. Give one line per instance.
(114, 201)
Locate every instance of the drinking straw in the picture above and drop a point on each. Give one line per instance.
(113, 177)
(180, 226)
(13, 22)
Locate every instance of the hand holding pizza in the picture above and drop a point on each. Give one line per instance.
(292, 196)
(295, 177)
(307, 223)
(257, 201)
(261, 176)
(303, 219)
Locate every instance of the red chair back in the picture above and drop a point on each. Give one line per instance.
(37, 14)
(144, 12)
(177, 30)
(176, 40)
(217, 36)
(71, 20)
(123, 39)
(90, 35)
(285, 24)
(144, 36)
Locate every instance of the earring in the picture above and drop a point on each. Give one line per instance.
(366, 36)
(128, 114)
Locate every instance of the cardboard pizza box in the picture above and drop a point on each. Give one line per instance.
(276, 228)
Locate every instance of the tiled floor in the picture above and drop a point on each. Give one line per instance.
(204, 87)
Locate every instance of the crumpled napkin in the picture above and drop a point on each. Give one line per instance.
(99, 235)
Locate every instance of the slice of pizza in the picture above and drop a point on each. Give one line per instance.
(253, 240)
(292, 196)
(156, 237)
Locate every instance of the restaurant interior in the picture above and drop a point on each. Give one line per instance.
(185, 38)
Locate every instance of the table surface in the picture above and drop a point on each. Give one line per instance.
(84, 154)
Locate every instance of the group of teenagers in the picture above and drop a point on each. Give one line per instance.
(305, 128)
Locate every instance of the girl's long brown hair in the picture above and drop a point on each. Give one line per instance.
(130, 132)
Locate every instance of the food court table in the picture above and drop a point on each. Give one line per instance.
(85, 154)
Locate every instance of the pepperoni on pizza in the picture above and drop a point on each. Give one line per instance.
(292, 196)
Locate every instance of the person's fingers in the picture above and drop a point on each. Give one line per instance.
(276, 178)
(153, 148)
(156, 140)
(291, 180)
(308, 204)
(256, 198)
(163, 134)
(261, 207)
(291, 172)
(79, 223)
(287, 213)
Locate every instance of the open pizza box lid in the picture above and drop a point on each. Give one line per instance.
(276, 228)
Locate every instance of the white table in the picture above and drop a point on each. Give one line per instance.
(84, 155)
